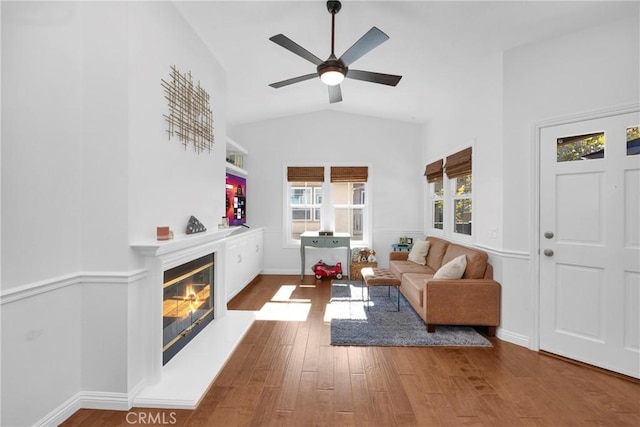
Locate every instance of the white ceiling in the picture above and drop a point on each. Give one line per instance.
(433, 45)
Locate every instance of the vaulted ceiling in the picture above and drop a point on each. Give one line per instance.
(433, 45)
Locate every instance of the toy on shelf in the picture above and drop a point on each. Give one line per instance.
(361, 258)
(320, 269)
(363, 255)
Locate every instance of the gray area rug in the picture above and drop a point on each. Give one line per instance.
(379, 324)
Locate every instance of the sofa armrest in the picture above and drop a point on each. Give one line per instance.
(462, 302)
(400, 256)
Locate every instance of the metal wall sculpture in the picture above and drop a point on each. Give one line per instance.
(190, 117)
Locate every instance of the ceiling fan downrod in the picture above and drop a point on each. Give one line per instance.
(332, 71)
(333, 7)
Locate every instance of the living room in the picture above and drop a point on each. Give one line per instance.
(88, 169)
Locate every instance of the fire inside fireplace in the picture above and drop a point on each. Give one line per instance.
(187, 305)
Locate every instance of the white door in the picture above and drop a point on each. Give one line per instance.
(590, 242)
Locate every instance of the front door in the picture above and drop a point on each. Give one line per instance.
(590, 242)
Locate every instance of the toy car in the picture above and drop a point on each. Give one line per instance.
(323, 270)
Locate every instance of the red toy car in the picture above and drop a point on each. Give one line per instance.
(323, 270)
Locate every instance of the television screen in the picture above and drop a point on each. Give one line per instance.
(236, 203)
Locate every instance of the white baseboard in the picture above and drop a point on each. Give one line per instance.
(282, 271)
(86, 400)
(513, 338)
(61, 413)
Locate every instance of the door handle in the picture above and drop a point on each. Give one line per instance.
(548, 252)
(548, 234)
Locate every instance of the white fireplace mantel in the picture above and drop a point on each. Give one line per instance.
(165, 386)
(158, 248)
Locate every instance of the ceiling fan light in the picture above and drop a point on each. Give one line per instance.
(331, 77)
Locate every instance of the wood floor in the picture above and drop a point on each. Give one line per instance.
(284, 372)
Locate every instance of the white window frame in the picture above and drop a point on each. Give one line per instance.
(327, 208)
(433, 198)
(455, 197)
(353, 206)
(449, 186)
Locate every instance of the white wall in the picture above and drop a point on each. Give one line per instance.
(42, 140)
(392, 149)
(167, 183)
(475, 119)
(86, 169)
(582, 72)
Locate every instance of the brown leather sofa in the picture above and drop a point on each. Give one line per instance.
(472, 300)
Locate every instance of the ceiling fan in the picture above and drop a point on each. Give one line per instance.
(334, 70)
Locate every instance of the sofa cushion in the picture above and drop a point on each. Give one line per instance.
(454, 269)
(400, 268)
(476, 260)
(437, 250)
(419, 252)
(413, 286)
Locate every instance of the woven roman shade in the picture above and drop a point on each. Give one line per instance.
(349, 173)
(305, 174)
(434, 171)
(458, 164)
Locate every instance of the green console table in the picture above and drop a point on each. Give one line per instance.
(313, 239)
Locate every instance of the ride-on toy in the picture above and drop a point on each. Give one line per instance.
(321, 270)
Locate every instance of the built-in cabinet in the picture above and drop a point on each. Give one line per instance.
(244, 260)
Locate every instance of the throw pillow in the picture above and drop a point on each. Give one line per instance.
(454, 269)
(419, 252)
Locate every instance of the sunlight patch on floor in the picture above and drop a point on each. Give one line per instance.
(290, 311)
(345, 310)
(284, 308)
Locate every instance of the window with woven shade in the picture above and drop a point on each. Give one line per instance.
(435, 173)
(458, 169)
(305, 198)
(459, 164)
(348, 193)
(349, 173)
(327, 198)
(305, 174)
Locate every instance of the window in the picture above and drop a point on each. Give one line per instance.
(434, 174)
(304, 196)
(633, 141)
(580, 147)
(337, 201)
(348, 208)
(458, 169)
(437, 205)
(451, 199)
(306, 200)
(462, 204)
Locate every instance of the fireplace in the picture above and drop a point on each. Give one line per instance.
(187, 303)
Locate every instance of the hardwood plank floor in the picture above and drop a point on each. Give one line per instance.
(285, 373)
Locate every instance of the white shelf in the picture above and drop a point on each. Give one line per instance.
(233, 168)
(233, 148)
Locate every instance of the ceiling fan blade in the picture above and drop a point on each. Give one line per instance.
(368, 76)
(294, 47)
(372, 38)
(335, 94)
(293, 80)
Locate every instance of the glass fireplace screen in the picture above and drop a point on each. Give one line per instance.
(187, 305)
